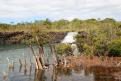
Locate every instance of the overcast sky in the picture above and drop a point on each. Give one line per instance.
(28, 10)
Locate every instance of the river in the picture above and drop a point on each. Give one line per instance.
(52, 74)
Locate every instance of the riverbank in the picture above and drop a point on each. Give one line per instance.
(20, 37)
(95, 61)
(106, 66)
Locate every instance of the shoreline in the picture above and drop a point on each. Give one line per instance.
(96, 65)
(94, 61)
(9, 38)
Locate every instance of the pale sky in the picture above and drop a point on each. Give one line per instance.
(29, 10)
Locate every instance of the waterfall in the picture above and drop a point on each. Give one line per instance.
(70, 39)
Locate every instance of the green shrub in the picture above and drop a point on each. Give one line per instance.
(115, 47)
(80, 40)
(63, 49)
(88, 50)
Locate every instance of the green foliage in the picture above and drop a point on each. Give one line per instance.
(63, 49)
(88, 50)
(75, 23)
(98, 37)
(80, 42)
(84, 44)
(115, 47)
(118, 32)
(100, 41)
(61, 25)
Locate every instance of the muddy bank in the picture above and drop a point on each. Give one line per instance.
(19, 37)
(94, 61)
(108, 67)
(11, 37)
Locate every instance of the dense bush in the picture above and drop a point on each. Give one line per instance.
(84, 43)
(115, 47)
(80, 42)
(63, 49)
(103, 41)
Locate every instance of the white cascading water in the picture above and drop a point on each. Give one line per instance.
(70, 38)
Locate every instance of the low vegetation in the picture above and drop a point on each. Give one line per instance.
(61, 25)
(115, 47)
(64, 49)
(96, 37)
(102, 41)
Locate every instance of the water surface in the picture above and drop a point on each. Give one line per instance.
(80, 73)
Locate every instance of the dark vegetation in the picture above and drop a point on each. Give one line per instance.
(30, 38)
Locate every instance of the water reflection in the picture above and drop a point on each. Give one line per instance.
(20, 72)
(40, 75)
(102, 73)
(78, 73)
